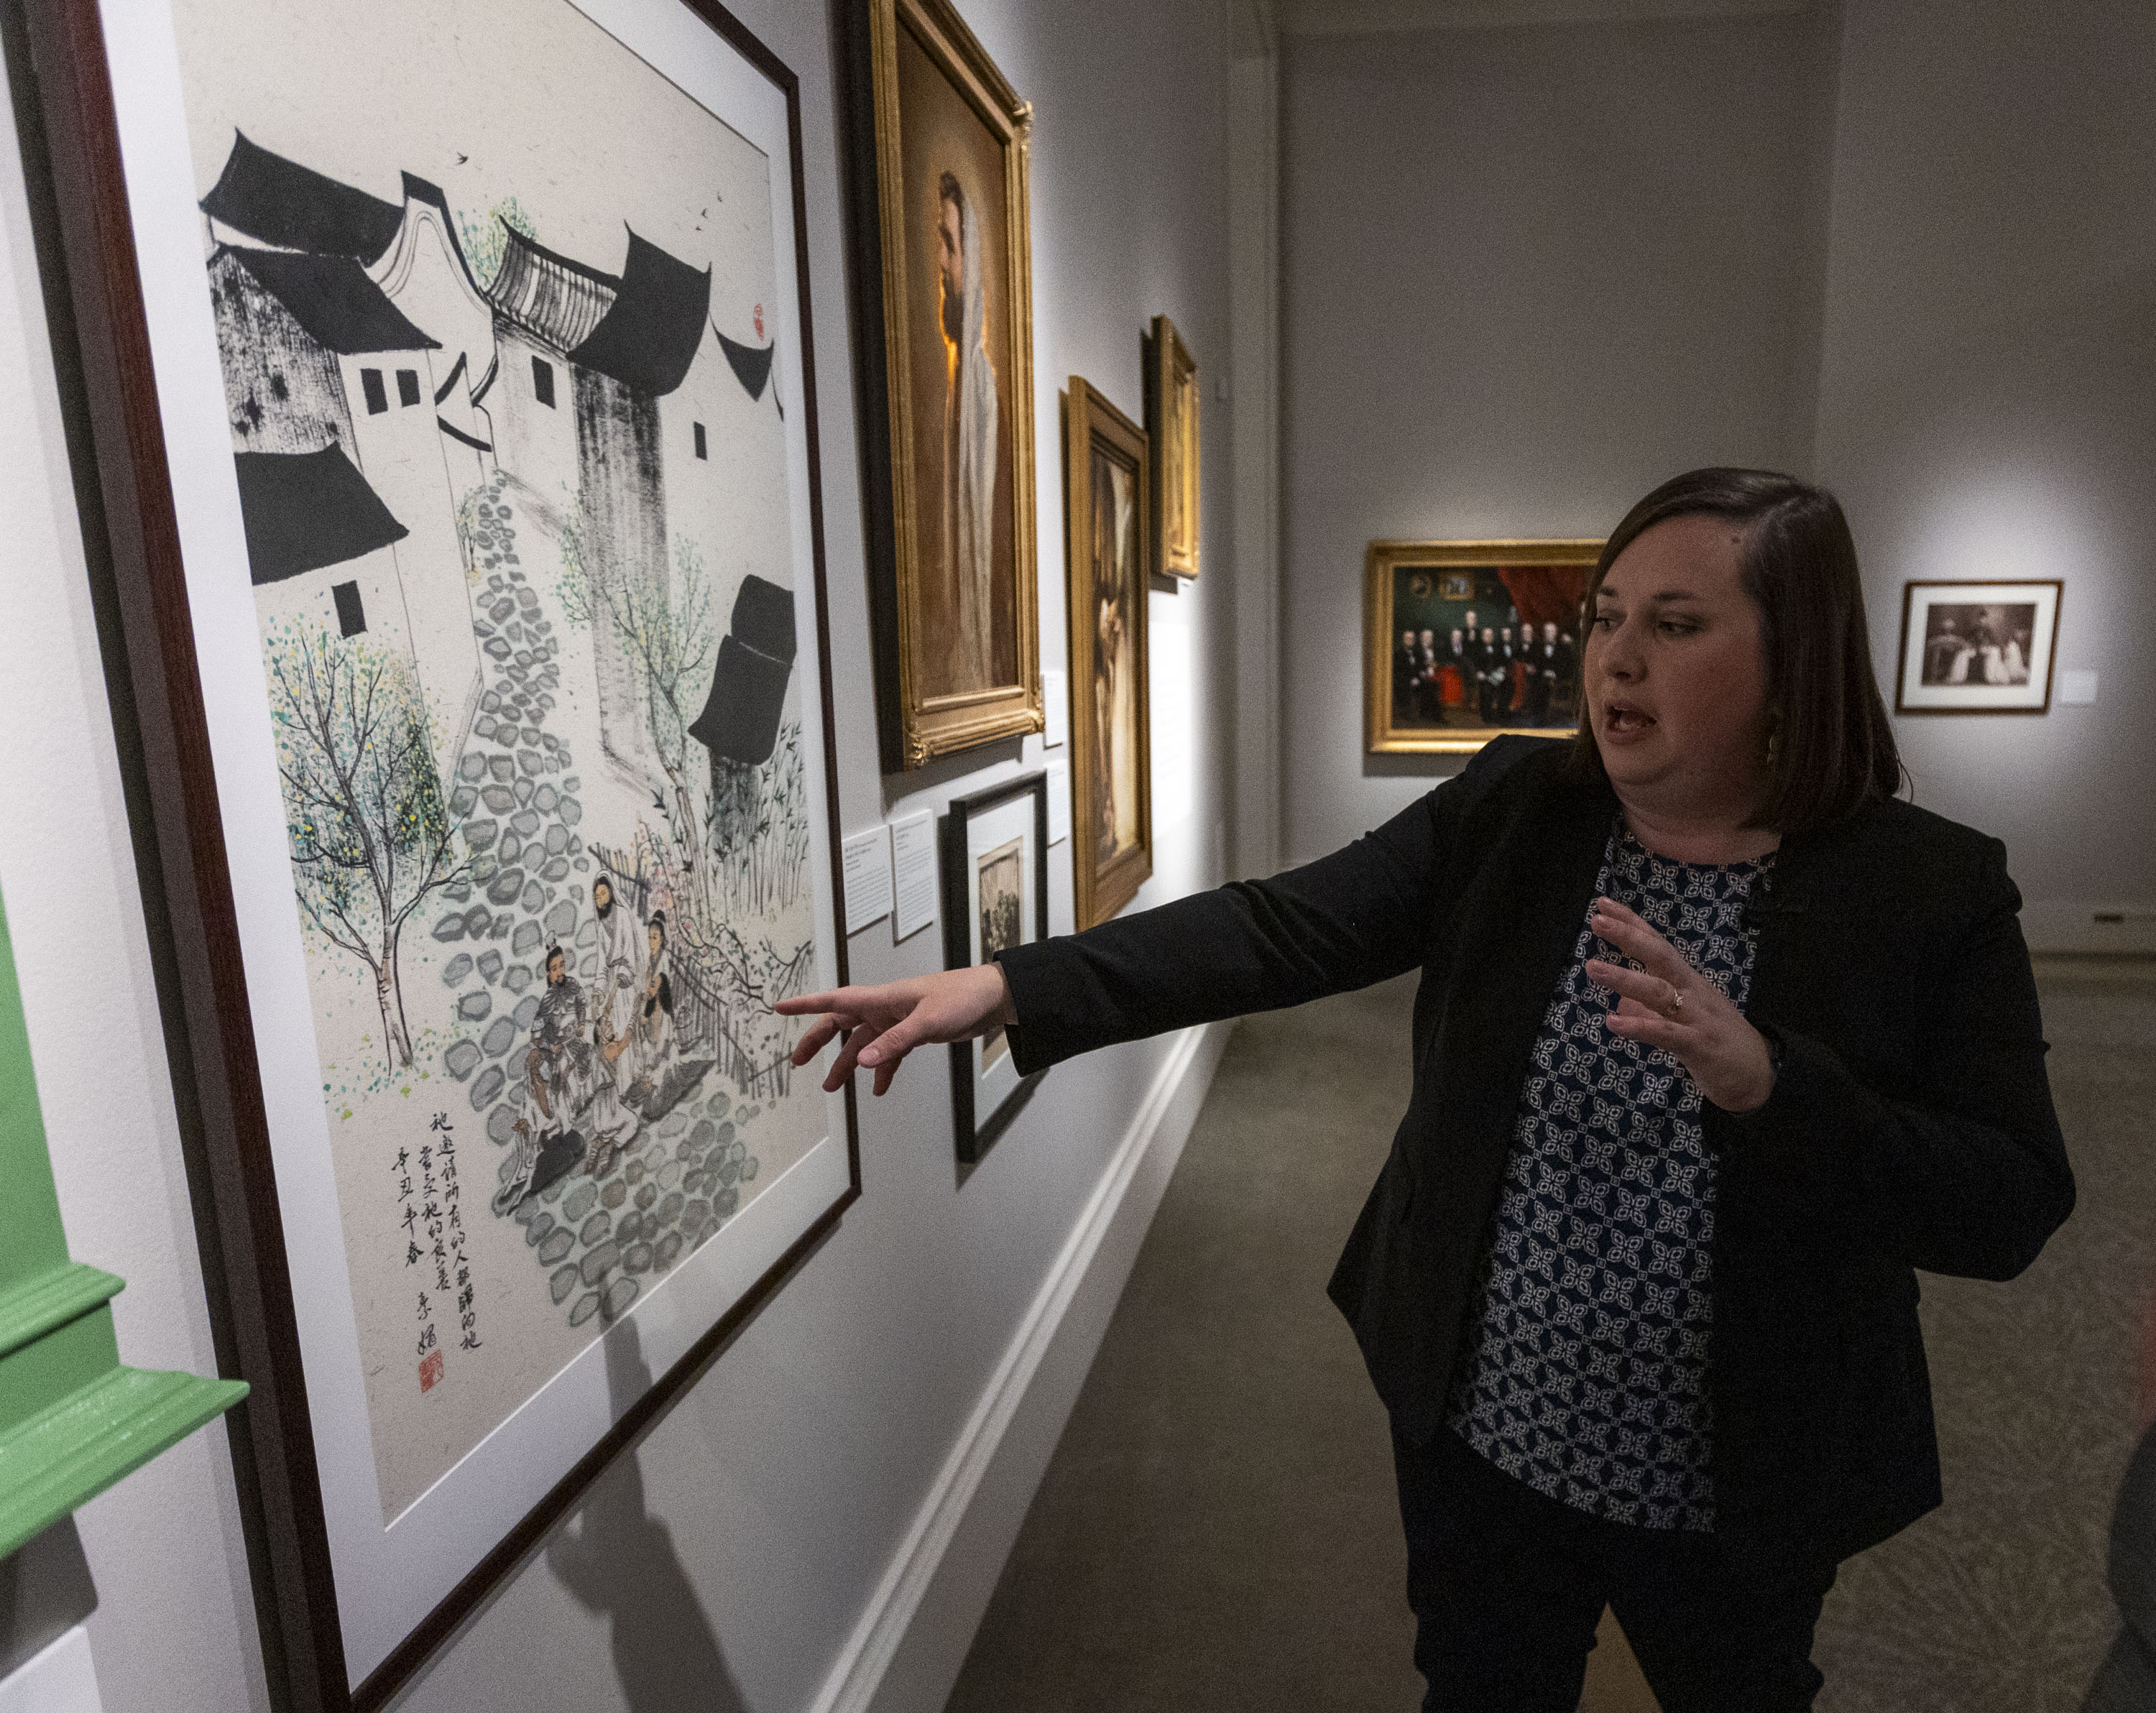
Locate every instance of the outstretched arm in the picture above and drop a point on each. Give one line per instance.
(1347, 920)
(878, 1027)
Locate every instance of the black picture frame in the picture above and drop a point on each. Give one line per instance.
(975, 1132)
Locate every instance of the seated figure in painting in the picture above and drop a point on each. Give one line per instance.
(1490, 679)
(566, 1079)
(559, 1058)
(1453, 671)
(621, 958)
(651, 1050)
(1407, 674)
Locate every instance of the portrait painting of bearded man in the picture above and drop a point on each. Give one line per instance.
(964, 649)
(961, 405)
(948, 282)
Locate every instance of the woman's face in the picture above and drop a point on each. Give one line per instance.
(651, 938)
(1676, 670)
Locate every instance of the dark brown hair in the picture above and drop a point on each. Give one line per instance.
(1834, 747)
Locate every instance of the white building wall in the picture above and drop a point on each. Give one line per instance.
(412, 468)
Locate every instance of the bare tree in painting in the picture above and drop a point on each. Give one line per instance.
(371, 838)
(669, 636)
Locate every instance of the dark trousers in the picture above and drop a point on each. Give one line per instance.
(1508, 1586)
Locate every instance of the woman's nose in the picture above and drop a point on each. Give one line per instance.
(1620, 655)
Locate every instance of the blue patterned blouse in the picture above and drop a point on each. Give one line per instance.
(1588, 1376)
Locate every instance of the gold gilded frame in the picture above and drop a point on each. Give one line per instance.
(1169, 367)
(1099, 892)
(915, 728)
(1381, 737)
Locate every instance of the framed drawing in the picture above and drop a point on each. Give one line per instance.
(457, 440)
(1171, 398)
(1465, 640)
(1105, 482)
(1978, 647)
(995, 895)
(943, 278)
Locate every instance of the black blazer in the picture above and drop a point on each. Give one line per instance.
(1910, 1126)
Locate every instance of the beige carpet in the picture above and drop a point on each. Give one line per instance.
(1996, 1603)
(1217, 1528)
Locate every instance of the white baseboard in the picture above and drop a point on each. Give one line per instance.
(906, 1650)
(2078, 924)
(60, 1678)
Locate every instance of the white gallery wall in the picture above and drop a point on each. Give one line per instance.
(1988, 402)
(159, 1557)
(1905, 247)
(1528, 272)
(819, 1520)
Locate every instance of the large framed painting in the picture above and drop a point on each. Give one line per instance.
(1978, 647)
(943, 285)
(1105, 498)
(1464, 641)
(1172, 399)
(995, 896)
(454, 406)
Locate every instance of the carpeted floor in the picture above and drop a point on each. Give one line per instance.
(1996, 1603)
(1217, 1528)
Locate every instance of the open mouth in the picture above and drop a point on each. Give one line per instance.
(1621, 721)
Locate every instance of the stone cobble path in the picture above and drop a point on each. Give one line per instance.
(520, 808)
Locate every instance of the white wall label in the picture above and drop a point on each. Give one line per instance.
(867, 868)
(913, 854)
(2077, 690)
(1059, 801)
(1055, 704)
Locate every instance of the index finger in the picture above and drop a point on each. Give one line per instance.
(837, 999)
(1626, 930)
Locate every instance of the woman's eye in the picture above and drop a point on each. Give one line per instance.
(1676, 628)
(1605, 621)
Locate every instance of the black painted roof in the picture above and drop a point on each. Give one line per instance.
(282, 202)
(332, 298)
(641, 326)
(648, 338)
(307, 509)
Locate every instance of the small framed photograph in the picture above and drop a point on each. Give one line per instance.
(1978, 647)
(995, 896)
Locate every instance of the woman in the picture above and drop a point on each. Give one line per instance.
(1717, 1041)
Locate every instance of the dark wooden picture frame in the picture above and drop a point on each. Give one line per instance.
(894, 209)
(1917, 690)
(187, 874)
(975, 1130)
(1102, 887)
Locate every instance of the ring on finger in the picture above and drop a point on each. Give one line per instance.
(1676, 1006)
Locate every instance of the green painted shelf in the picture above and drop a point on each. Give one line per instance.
(70, 1452)
(72, 1418)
